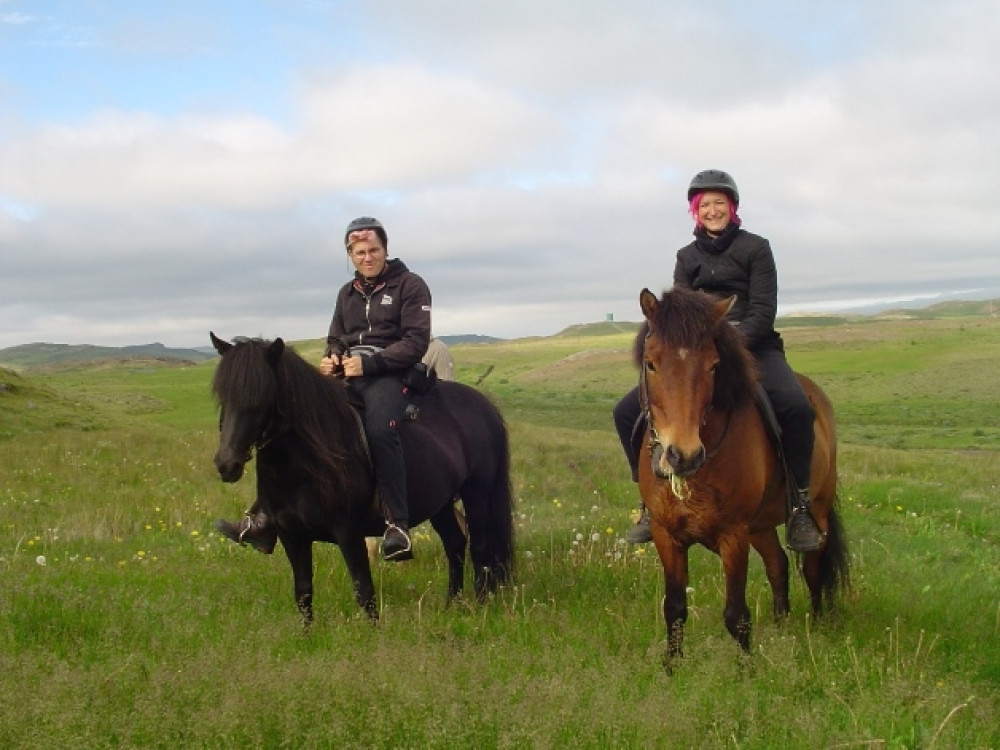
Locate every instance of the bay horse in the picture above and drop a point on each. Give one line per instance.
(315, 480)
(710, 474)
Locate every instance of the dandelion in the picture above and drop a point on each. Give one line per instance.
(609, 531)
(579, 537)
(595, 537)
(40, 560)
(194, 532)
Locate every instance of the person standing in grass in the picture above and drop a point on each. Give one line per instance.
(726, 260)
(381, 327)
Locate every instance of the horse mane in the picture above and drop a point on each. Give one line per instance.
(685, 319)
(314, 406)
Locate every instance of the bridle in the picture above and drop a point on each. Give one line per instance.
(270, 432)
(646, 414)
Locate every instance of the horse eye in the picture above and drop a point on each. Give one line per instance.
(650, 366)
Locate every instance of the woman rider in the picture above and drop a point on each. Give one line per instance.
(381, 327)
(724, 260)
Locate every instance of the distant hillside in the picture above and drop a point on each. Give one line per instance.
(604, 328)
(46, 355)
(951, 309)
(39, 355)
(468, 338)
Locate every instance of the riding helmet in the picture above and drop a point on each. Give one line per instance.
(367, 222)
(714, 179)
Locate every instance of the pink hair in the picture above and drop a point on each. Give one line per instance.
(696, 201)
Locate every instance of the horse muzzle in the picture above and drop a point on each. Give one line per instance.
(671, 461)
(230, 468)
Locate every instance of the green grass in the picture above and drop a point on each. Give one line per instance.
(126, 622)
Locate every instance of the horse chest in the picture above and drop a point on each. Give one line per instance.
(694, 517)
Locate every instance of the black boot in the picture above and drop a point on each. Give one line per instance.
(801, 532)
(641, 532)
(396, 544)
(254, 529)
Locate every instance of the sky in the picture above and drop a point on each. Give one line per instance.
(167, 169)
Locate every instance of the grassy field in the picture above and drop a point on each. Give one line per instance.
(126, 622)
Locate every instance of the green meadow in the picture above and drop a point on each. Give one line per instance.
(126, 622)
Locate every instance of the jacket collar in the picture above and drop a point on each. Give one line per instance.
(716, 245)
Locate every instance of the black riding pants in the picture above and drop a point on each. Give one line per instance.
(385, 403)
(791, 406)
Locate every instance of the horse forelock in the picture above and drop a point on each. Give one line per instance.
(243, 378)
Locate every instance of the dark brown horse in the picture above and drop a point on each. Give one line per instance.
(315, 481)
(709, 473)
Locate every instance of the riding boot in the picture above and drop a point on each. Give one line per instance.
(254, 529)
(641, 531)
(801, 532)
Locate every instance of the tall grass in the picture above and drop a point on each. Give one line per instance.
(126, 622)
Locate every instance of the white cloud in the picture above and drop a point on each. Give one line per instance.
(529, 159)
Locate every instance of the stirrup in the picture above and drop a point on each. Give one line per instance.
(404, 553)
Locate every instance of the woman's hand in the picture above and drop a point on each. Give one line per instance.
(353, 366)
(329, 364)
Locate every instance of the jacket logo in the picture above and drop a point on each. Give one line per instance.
(386, 299)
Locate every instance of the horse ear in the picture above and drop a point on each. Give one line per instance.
(275, 350)
(722, 307)
(220, 345)
(649, 304)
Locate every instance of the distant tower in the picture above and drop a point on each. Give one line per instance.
(609, 318)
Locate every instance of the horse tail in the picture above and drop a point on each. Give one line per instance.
(834, 562)
(500, 556)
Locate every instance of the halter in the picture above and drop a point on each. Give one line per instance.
(646, 414)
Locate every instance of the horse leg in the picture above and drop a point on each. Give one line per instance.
(300, 556)
(735, 553)
(355, 553)
(487, 513)
(674, 558)
(768, 546)
(447, 526)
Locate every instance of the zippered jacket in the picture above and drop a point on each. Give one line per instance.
(393, 314)
(737, 262)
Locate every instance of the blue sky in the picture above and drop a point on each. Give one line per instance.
(166, 169)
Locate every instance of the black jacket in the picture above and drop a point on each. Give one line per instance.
(393, 313)
(737, 262)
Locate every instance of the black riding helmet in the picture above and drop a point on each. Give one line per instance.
(367, 222)
(714, 179)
